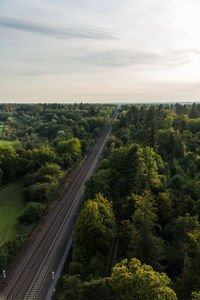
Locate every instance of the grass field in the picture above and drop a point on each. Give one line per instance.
(11, 206)
(5, 143)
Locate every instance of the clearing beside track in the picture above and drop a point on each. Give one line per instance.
(11, 204)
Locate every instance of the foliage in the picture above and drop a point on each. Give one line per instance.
(10, 248)
(93, 235)
(8, 159)
(195, 296)
(145, 244)
(40, 192)
(5, 143)
(150, 174)
(71, 146)
(29, 138)
(50, 173)
(31, 213)
(131, 280)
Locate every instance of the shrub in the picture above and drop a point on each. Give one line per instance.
(31, 214)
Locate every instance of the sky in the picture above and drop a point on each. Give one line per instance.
(99, 51)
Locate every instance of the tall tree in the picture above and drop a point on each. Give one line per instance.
(145, 244)
(131, 280)
(93, 235)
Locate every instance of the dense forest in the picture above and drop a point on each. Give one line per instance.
(39, 145)
(138, 235)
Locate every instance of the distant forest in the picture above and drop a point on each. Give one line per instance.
(138, 235)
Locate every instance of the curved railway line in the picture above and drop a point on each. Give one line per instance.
(31, 276)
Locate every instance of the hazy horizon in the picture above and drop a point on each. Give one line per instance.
(99, 51)
(100, 102)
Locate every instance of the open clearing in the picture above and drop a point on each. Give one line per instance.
(11, 206)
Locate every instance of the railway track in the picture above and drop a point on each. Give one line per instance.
(31, 276)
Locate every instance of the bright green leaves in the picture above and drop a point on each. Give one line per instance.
(93, 235)
(71, 146)
(131, 280)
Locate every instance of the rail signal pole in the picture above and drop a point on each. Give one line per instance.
(53, 278)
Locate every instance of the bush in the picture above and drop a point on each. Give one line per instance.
(9, 249)
(31, 214)
(40, 192)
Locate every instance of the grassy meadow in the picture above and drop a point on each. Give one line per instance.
(11, 206)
